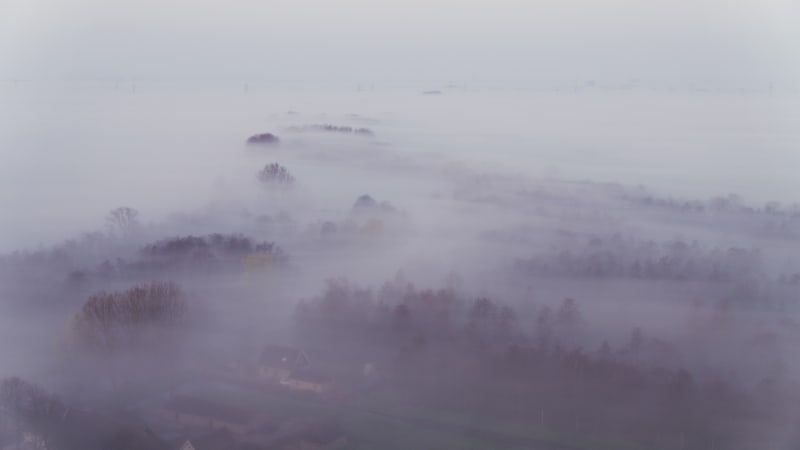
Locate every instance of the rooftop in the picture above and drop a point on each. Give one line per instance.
(283, 356)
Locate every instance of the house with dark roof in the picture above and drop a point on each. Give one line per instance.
(277, 362)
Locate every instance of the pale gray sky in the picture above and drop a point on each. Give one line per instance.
(725, 42)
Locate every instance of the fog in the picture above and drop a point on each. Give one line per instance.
(64, 141)
(563, 226)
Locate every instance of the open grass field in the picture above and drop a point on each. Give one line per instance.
(386, 423)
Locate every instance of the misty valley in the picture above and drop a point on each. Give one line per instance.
(307, 280)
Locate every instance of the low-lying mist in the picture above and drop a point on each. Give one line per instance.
(474, 269)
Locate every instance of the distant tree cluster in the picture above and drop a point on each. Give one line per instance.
(211, 253)
(120, 222)
(398, 307)
(791, 278)
(81, 261)
(275, 174)
(112, 321)
(771, 218)
(128, 331)
(477, 354)
(727, 203)
(123, 220)
(349, 228)
(369, 218)
(221, 246)
(32, 410)
(619, 257)
(263, 139)
(404, 319)
(40, 420)
(366, 203)
(327, 128)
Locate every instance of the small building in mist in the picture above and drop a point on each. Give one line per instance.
(291, 368)
(277, 362)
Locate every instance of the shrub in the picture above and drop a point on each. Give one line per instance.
(275, 174)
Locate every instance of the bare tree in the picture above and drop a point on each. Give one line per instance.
(123, 220)
(568, 314)
(12, 401)
(275, 174)
(32, 409)
(110, 323)
(107, 319)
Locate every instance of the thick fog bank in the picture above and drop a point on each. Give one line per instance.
(73, 151)
(581, 268)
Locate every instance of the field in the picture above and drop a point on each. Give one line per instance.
(383, 421)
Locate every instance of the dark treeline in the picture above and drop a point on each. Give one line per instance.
(115, 339)
(328, 128)
(96, 259)
(211, 253)
(730, 203)
(366, 203)
(442, 349)
(275, 174)
(618, 256)
(769, 219)
(584, 315)
(125, 334)
(263, 139)
(42, 420)
(214, 245)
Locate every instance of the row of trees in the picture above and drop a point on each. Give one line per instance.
(38, 419)
(618, 257)
(109, 321)
(366, 203)
(275, 175)
(398, 309)
(114, 336)
(730, 203)
(215, 245)
(772, 218)
(30, 410)
(121, 223)
(263, 139)
(141, 322)
(212, 253)
(444, 349)
(343, 129)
